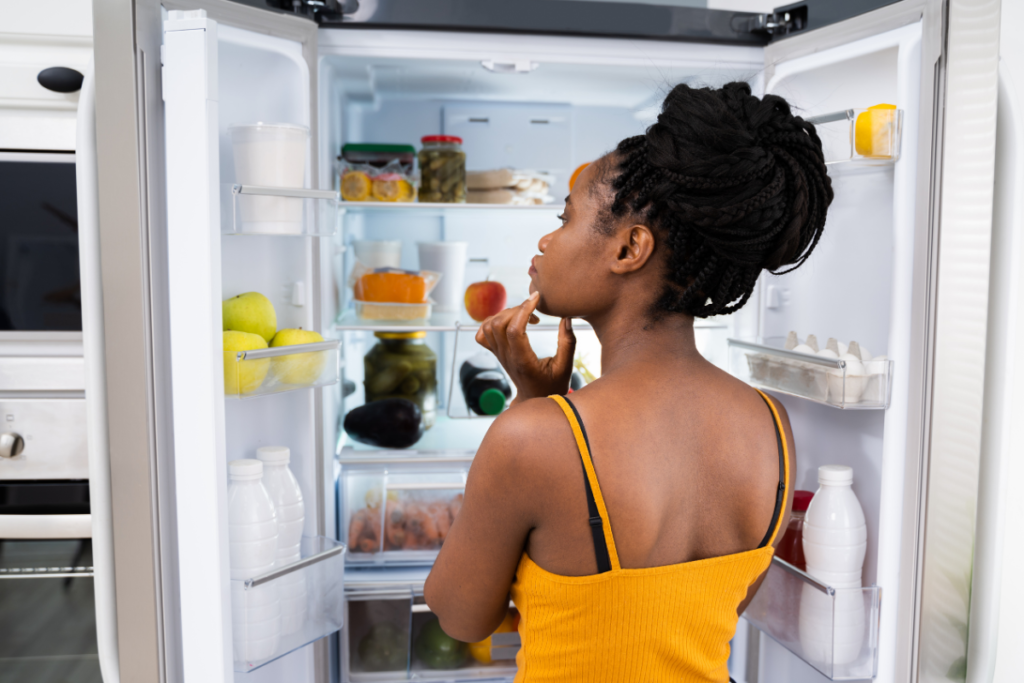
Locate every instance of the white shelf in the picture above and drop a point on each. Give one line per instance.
(437, 209)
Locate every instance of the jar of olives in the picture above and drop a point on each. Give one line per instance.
(442, 170)
(401, 365)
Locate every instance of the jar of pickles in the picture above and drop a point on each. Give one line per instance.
(442, 170)
(401, 365)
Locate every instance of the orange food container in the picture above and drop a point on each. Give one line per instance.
(398, 287)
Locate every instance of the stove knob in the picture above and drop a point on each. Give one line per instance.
(11, 444)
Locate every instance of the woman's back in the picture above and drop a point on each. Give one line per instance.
(687, 461)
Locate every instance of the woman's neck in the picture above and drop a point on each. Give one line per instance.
(635, 339)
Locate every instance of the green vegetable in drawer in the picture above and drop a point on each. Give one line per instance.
(384, 648)
(438, 650)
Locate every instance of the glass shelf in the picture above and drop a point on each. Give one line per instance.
(289, 607)
(282, 211)
(438, 322)
(281, 368)
(861, 137)
(446, 436)
(815, 378)
(436, 209)
(835, 630)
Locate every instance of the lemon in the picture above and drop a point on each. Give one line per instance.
(873, 131)
(355, 186)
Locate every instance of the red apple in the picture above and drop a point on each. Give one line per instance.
(484, 299)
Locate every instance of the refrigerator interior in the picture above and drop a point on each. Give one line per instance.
(579, 97)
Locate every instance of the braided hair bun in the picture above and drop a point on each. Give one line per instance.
(734, 184)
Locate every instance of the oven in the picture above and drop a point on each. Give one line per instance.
(47, 604)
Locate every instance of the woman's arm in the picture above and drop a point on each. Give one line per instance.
(468, 588)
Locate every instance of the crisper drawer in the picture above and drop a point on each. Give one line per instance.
(391, 635)
(398, 510)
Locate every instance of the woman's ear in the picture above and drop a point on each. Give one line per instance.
(634, 246)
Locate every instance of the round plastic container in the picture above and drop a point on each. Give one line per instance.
(449, 259)
(270, 155)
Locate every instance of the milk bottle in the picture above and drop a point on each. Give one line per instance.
(834, 541)
(291, 514)
(252, 538)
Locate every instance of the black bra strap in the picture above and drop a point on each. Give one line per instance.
(780, 496)
(604, 563)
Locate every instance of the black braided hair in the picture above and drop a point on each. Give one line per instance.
(733, 183)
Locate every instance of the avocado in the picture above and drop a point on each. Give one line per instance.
(387, 423)
(438, 650)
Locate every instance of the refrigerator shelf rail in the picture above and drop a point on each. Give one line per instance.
(289, 607)
(396, 615)
(259, 372)
(437, 322)
(860, 137)
(281, 211)
(835, 630)
(433, 209)
(823, 380)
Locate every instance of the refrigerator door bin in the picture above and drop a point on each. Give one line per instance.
(288, 211)
(282, 610)
(864, 137)
(835, 630)
(393, 636)
(281, 368)
(813, 377)
(398, 510)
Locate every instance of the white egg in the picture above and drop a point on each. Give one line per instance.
(828, 353)
(864, 353)
(854, 366)
(843, 348)
(804, 348)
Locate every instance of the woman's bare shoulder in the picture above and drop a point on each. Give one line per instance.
(529, 431)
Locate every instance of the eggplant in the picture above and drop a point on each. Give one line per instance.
(386, 423)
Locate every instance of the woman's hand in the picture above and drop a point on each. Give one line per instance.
(504, 335)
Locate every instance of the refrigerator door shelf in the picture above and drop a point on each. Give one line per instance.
(835, 630)
(860, 137)
(386, 642)
(398, 511)
(815, 378)
(281, 211)
(433, 209)
(349, 320)
(309, 597)
(281, 368)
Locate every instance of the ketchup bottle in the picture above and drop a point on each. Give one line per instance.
(791, 547)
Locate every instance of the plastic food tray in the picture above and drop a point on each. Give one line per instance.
(392, 312)
(816, 378)
(835, 630)
(264, 630)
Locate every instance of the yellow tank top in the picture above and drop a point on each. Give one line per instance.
(670, 623)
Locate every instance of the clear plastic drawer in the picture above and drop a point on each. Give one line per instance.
(815, 378)
(288, 607)
(835, 630)
(398, 510)
(393, 636)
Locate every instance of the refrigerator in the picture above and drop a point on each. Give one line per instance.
(903, 268)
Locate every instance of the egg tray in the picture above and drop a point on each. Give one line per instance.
(812, 377)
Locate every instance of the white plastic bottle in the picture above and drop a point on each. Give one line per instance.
(286, 495)
(835, 541)
(252, 537)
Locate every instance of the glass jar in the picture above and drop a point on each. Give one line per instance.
(791, 547)
(401, 365)
(442, 170)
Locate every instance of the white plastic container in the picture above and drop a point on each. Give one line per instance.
(286, 495)
(253, 538)
(449, 259)
(270, 155)
(379, 253)
(835, 541)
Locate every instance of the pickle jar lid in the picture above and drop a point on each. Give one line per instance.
(441, 138)
(492, 401)
(400, 335)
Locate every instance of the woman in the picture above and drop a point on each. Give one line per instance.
(631, 545)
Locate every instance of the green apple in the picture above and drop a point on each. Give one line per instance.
(250, 312)
(298, 368)
(243, 377)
